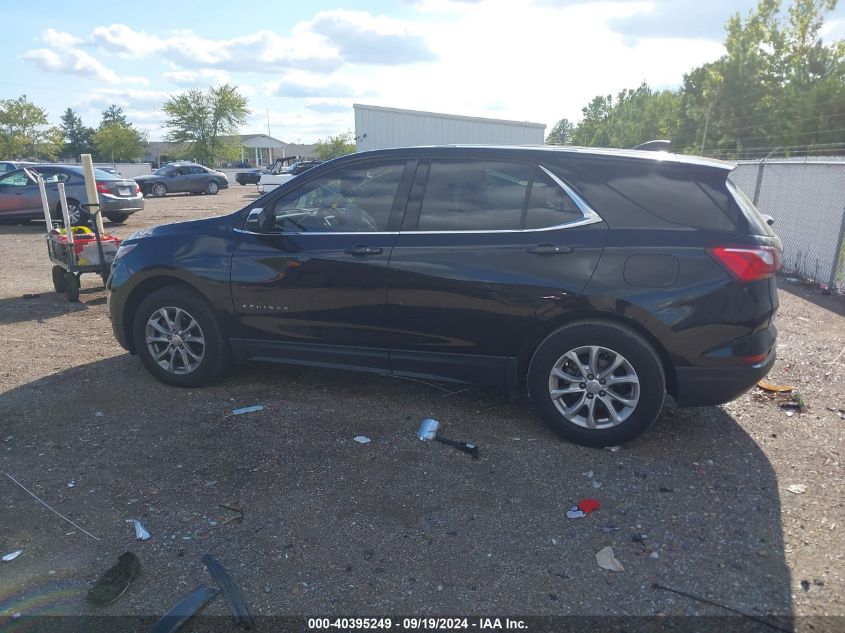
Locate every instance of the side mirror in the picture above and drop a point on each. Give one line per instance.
(258, 220)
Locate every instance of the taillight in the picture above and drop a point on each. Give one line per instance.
(136, 189)
(748, 263)
(101, 188)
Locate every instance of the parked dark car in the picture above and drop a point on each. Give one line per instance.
(599, 279)
(20, 198)
(249, 176)
(182, 177)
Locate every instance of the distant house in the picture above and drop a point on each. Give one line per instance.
(256, 149)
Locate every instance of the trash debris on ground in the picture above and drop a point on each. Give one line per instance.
(666, 489)
(12, 555)
(583, 508)
(141, 533)
(239, 516)
(231, 592)
(769, 386)
(797, 488)
(71, 484)
(250, 409)
(184, 609)
(428, 431)
(32, 295)
(43, 503)
(612, 449)
(361, 439)
(692, 596)
(606, 560)
(115, 581)
(838, 412)
(654, 555)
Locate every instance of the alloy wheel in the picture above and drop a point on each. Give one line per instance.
(594, 387)
(175, 340)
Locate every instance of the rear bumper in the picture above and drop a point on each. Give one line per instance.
(704, 386)
(113, 204)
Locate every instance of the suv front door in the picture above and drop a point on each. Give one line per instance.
(309, 273)
(489, 252)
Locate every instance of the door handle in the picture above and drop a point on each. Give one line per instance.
(363, 249)
(549, 249)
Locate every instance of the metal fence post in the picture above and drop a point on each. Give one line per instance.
(759, 181)
(837, 257)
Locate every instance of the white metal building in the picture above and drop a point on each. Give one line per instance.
(378, 128)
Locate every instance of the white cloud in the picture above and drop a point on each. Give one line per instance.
(71, 61)
(300, 85)
(119, 38)
(60, 39)
(124, 97)
(198, 78)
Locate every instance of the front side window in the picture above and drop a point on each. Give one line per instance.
(353, 199)
(15, 179)
(53, 175)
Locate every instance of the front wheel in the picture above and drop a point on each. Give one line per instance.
(597, 383)
(179, 339)
(159, 190)
(212, 188)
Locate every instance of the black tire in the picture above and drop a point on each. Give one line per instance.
(158, 190)
(59, 279)
(215, 357)
(617, 339)
(212, 188)
(71, 287)
(74, 211)
(117, 218)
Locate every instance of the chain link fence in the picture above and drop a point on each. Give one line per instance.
(806, 198)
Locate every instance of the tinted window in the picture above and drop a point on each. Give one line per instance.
(350, 200)
(549, 205)
(54, 175)
(198, 170)
(474, 196)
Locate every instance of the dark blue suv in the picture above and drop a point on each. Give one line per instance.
(599, 279)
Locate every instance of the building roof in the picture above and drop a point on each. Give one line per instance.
(441, 115)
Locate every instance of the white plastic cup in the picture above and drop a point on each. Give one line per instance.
(428, 429)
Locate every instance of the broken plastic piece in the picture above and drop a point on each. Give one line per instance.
(12, 555)
(606, 560)
(251, 409)
(231, 592)
(184, 609)
(115, 581)
(797, 488)
(361, 439)
(140, 531)
(768, 386)
(465, 447)
(583, 508)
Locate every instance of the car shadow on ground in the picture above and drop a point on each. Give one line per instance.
(392, 526)
(813, 293)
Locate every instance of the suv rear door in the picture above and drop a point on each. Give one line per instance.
(489, 251)
(309, 282)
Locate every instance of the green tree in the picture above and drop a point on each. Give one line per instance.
(116, 142)
(113, 114)
(334, 146)
(77, 138)
(198, 119)
(24, 130)
(561, 133)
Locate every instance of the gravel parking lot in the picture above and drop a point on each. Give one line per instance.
(330, 526)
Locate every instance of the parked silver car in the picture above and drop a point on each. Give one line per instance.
(20, 198)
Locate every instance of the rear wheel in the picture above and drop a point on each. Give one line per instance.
(118, 218)
(597, 383)
(74, 212)
(58, 279)
(179, 339)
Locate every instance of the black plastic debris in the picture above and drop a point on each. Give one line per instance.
(184, 609)
(115, 581)
(237, 605)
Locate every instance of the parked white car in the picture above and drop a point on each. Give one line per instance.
(281, 173)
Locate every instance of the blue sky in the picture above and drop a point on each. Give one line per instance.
(305, 63)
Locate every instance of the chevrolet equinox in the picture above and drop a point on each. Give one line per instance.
(600, 280)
